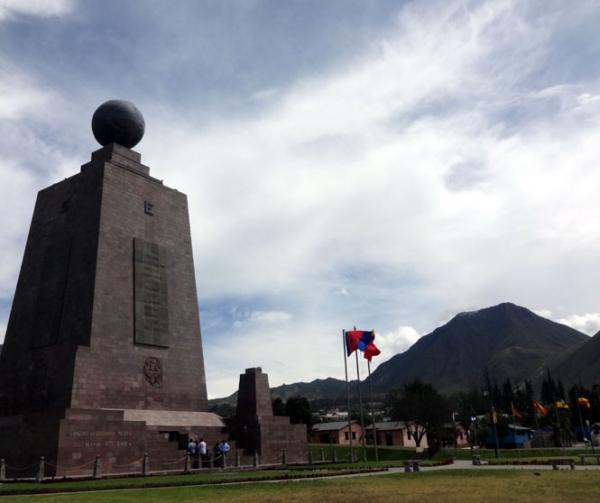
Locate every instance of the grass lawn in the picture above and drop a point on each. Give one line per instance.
(447, 486)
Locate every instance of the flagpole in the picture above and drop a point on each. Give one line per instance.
(348, 396)
(537, 425)
(515, 433)
(580, 418)
(362, 419)
(562, 443)
(372, 412)
(454, 435)
(488, 394)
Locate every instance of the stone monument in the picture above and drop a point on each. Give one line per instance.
(103, 351)
(255, 428)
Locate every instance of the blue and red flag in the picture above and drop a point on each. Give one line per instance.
(358, 339)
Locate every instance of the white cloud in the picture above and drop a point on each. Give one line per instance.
(587, 323)
(262, 318)
(42, 8)
(395, 342)
(19, 95)
(344, 178)
(448, 161)
(544, 313)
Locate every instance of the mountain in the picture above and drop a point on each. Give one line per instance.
(581, 364)
(319, 390)
(509, 340)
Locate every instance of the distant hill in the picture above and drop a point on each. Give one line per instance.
(318, 390)
(511, 341)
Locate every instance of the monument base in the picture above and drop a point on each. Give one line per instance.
(120, 439)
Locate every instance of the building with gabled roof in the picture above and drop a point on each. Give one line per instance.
(336, 432)
(394, 433)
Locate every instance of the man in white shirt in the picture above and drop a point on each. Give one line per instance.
(202, 452)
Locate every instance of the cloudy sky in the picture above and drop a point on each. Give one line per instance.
(378, 164)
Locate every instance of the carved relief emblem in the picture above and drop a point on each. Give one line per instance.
(153, 371)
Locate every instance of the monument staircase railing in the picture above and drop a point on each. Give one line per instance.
(100, 468)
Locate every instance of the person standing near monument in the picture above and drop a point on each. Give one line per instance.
(217, 455)
(202, 452)
(224, 447)
(192, 449)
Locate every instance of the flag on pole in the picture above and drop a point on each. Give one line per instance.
(371, 350)
(540, 408)
(514, 411)
(358, 339)
(584, 402)
(561, 405)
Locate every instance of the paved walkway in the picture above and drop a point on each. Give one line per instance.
(457, 465)
(468, 465)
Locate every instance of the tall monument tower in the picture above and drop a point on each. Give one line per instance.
(103, 352)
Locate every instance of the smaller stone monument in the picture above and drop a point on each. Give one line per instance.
(255, 428)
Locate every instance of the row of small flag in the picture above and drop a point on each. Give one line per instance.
(363, 341)
(581, 401)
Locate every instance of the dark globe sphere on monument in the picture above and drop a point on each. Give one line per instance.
(118, 121)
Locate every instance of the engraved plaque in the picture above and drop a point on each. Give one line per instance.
(151, 296)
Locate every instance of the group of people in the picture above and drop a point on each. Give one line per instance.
(199, 454)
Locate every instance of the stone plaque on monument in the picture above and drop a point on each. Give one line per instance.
(151, 294)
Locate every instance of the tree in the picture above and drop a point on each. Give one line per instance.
(561, 391)
(506, 398)
(420, 406)
(561, 425)
(595, 399)
(355, 415)
(579, 413)
(278, 407)
(468, 405)
(224, 410)
(299, 410)
(495, 393)
(529, 397)
(549, 391)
